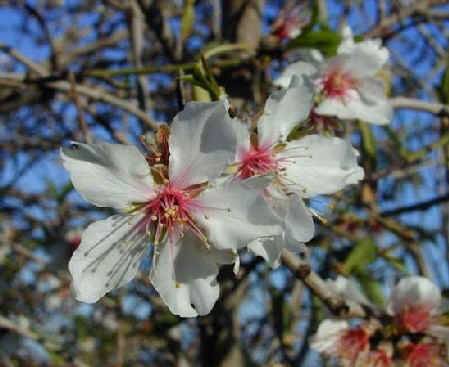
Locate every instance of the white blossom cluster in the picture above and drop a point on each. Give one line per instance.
(410, 333)
(209, 185)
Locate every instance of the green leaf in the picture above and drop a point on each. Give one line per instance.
(363, 254)
(444, 86)
(369, 142)
(325, 40)
(188, 19)
(398, 141)
(371, 287)
(200, 94)
(220, 49)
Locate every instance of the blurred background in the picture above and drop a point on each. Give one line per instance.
(106, 70)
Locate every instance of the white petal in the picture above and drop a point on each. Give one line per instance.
(365, 58)
(269, 249)
(185, 276)
(414, 291)
(297, 224)
(299, 68)
(283, 110)
(108, 256)
(380, 113)
(112, 175)
(347, 39)
(259, 183)
(375, 106)
(298, 221)
(233, 215)
(243, 139)
(328, 335)
(320, 165)
(348, 289)
(366, 104)
(338, 107)
(202, 143)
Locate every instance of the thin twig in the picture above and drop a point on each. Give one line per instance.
(302, 270)
(82, 123)
(435, 108)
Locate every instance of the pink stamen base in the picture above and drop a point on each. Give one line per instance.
(353, 342)
(415, 319)
(257, 161)
(424, 355)
(170, 212)
(336, 83)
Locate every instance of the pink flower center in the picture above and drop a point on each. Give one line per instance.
(415, 319)
(353, 342)
(423, 355)
(257, 161)
(337, 83)
(170, 213)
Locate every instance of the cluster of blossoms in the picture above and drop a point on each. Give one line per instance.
(347, 86)
(208, 185)
(410, 332)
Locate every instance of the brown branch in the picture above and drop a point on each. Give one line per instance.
(302, 270)
(420, 9)
(94, 93)
(423, 205)
(102, 96)
(80, 117)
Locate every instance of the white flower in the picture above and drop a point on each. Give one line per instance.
(194, 224)
(296, 169)
(415, 301)
(336, 338)
(328, 336)
(347, 85)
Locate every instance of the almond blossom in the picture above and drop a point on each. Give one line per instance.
(336, 338)
(351, 345)
(424, 354)
(294, 169)
(408, 334)
(348, 85)
(194, 222)
(289, 22)
(415, 303)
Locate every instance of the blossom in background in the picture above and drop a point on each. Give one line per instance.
(290, 21)
(424, 355)
(407, 336)
(336, 338)
(348, 85)
(195, 222)
(351, 345)
(295, 169)
(415, 303)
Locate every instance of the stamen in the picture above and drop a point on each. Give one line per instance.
(169, 213)
(336, 83)
(257, 161)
